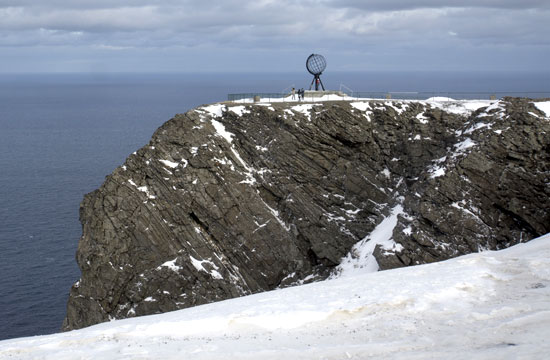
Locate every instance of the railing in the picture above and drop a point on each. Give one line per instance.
(287, 89)
(346, 90)
(348, 94)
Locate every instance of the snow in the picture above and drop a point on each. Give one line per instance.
(437, 172)
(439, 99)
(477, 126)
(171, 265)
(239, 110)
(249, 171)
(361, 106)
(459, 107)
(473, 105)
(463, 207)
(494, 106)
(275, 214)
(463, 145)
(308, 99)
(422, 118)
(143, 189)
(215, 110)
(220, 131)
(489, 305)
(495, 109)
(198, 264)
(543, 106)
(360, 260)
(268, 106)
(398, 110)
(169, 163)
(304, 109)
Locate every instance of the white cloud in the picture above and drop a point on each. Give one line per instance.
(354, 27)
(248, 22)
(396, 5)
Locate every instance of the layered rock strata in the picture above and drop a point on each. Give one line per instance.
(228, 200)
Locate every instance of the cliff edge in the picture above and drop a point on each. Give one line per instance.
(228, 200)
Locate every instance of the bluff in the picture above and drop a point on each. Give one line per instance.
(228, 200)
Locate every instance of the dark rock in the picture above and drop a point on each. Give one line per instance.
(196, 217)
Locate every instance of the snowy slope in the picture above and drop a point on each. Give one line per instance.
(480, 306)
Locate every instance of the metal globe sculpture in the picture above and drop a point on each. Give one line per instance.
(316, 64)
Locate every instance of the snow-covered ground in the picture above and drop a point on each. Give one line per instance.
(460, 107)
(490, 305)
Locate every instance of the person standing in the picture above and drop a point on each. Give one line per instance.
(293, 94)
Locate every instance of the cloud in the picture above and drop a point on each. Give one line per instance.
(399, 5)
(170, 24)
(93, 20)
(353, 27)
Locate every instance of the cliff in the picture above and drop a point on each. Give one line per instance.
(228, 200)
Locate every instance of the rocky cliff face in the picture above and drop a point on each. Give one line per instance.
(228, 200)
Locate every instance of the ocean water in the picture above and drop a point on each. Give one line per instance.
(60, 135)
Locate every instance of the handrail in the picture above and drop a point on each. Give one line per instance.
(284, 91)
(344, 86)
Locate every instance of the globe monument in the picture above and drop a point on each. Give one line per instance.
(316, 64)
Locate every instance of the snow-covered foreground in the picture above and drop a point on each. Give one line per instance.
(481, 306)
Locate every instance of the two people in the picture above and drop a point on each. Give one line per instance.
(301, 93)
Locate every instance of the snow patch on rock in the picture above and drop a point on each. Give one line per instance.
(220, 131)
(543, 106)
(361, 258)
(239, 110)
(304, 109)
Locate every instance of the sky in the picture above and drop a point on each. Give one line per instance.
(273, 35)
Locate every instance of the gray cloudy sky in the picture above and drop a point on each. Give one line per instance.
(243, 35)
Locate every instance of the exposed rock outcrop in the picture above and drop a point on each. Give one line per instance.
(228, 200)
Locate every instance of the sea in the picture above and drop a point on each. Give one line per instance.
(61, 134)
